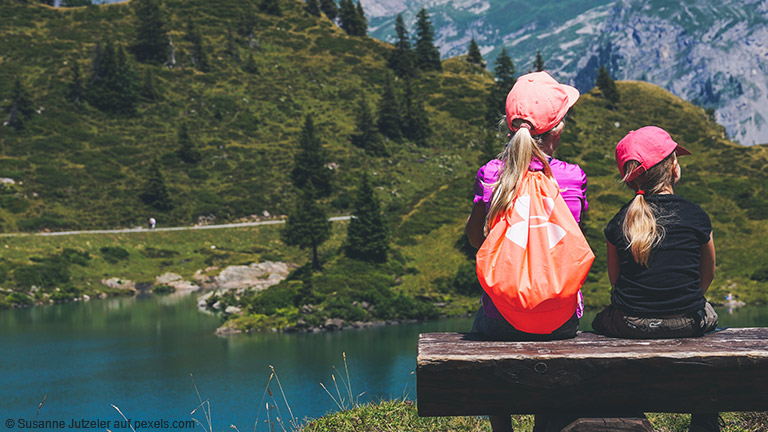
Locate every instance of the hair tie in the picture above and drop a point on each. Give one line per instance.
(527, 126)
(640, 192)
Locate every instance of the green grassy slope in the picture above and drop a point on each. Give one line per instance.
(77, 167)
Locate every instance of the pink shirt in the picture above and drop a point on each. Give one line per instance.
(573, 187)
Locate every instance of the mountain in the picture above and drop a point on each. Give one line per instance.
(714, 54)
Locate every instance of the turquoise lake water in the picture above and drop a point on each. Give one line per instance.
(138, 354)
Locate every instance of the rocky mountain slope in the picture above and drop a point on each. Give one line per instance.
(712, 54)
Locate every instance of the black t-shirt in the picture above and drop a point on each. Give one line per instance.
(670, 283)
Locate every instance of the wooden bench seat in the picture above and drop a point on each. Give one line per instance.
(592, 375)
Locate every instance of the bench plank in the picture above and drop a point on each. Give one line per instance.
(457, 374)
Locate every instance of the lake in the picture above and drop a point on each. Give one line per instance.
(138, 354)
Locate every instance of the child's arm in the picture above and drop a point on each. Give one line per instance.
(707, 264)
(613, 262)
(475, 226)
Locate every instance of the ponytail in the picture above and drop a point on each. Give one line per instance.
(642, 226)
(516, 158)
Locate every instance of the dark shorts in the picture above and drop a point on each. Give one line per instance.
(615, 323)
(500, 329)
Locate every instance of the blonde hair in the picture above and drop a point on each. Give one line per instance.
(516, 158)
(642, 226)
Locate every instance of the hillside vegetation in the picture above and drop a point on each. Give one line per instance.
(77, 167)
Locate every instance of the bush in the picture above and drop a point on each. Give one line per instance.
(113, 254)
(465, 280)
(760, 275)
(163, 289)
(151, 252)
(45, 275)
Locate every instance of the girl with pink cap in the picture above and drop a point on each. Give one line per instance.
(660, 252)
(535, 112)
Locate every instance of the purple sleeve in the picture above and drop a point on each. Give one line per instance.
(585, 206)
(486, 177)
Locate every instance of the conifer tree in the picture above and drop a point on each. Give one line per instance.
(112, 86)
(149, 89)
(473, 54)
(21, 106)
(350, 19)
(504, 72)
(313, 7)
(246, 24)
(309, 170)
(76, 86)
(187, 151)
(367, 136)
(231, 45)
(390, 120)
(607, 85)
(427, 55)
(307, 225)
(250, 64)
(155, 192)
(415, 124)
(402, 60)
(151, 43)
(362, 21)
(538, 63)
(271, 7)
(198, 58)
(367, 236)
(329, 8)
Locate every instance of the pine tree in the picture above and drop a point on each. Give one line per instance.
(307, 225)
(504, 72)
(390, 120)
(309, 170)
(149, 89)
(415, 124)
(607, 85)
(538, 63)
(330, 9)
(402, 60)
(362, 21)
(313, 7)
(246, 24)
(76, 86)
(151, 44)
(473, 54)
(250, 64)
(367, 136)
(271, 7)
(427, 55)
(231, 45)
(348, 17)
(198, 58)
(367, 236)
(21, 106)
(112, 85)
(155, 192)
(187, 151)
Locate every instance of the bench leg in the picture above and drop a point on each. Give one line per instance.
(610, 424)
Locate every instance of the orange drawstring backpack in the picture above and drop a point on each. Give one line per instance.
(535, 258)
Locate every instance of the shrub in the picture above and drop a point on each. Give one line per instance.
(113, 254)
(163, 289)
(760, 275)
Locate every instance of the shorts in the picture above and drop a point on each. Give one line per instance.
(615, 323)
(501, 330)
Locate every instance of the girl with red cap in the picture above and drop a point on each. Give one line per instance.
(660, 252)
(535, 111)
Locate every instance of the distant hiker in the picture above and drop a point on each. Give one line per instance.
(523, 180)
(660, 252)
(152, 223)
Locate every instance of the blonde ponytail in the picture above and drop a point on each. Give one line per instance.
(642, 226)
(516, 158)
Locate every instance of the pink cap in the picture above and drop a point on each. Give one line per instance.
(540, 100)
(648, 145)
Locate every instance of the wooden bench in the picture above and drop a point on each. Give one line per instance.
(592, 375)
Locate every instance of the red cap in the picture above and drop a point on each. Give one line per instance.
(648, 145)
(540, 100)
